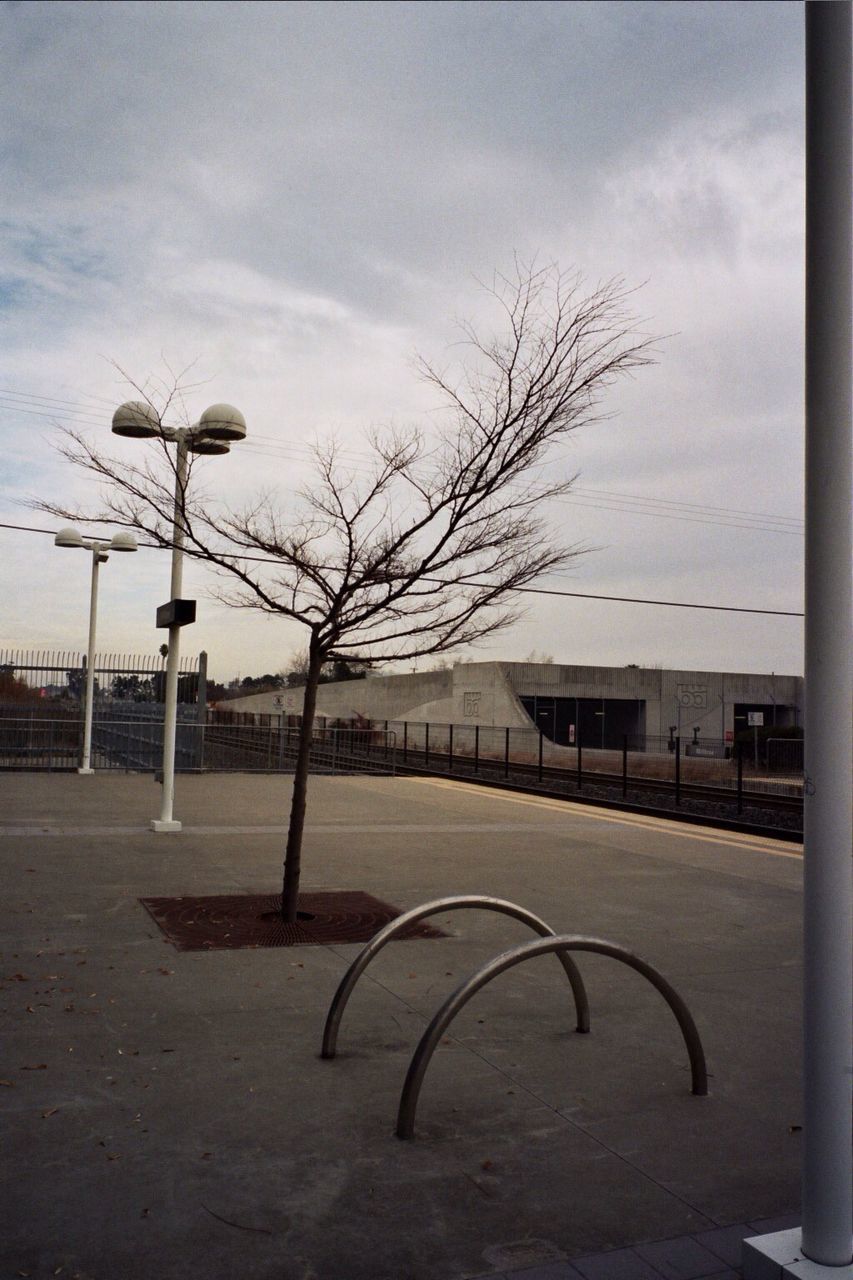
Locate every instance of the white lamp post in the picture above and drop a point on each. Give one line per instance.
(217, 427)
(120, 542)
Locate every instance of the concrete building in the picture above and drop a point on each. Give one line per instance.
(596, 704)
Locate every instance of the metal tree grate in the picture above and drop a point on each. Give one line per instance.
(236, 921)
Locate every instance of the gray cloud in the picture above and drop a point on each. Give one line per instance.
(303, 193)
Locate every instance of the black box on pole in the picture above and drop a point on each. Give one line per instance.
(176, 613)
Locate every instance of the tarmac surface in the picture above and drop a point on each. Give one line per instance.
(166, 1114)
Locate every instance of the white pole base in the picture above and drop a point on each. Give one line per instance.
(780, 1257)
(85, 771)
(163, 825)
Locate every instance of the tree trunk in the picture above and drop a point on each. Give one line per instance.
(293, 852)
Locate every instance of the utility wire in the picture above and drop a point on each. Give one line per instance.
(600, 499)
(535, 591)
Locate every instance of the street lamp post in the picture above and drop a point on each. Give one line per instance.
(69, 537)
(213, 434)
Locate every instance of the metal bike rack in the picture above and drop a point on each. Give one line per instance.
(527, 951)
(440, 905)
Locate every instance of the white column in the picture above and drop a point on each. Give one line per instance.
(86, 762)
(828, 990)
(166, 823)
(824, 1245)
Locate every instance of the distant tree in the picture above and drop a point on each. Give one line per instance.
(187, 687)
(132, 688)
(547, 659)
(340, 669)
(76, 679)
(426, 554)
(13, 689)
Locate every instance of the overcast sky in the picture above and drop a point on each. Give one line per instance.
(300, 197)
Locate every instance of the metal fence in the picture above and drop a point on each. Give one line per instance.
(669, 770)
(528, 756)
(135, 744)
(50, 680)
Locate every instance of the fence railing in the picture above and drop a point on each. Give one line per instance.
(652, 771)
(37, 679)
(135, 744)
(527, 755)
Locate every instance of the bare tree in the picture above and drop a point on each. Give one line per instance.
(428, 551)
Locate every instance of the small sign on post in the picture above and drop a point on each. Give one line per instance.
(755, 720)
(176, 613)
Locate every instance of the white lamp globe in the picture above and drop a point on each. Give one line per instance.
(137, 420)
(123, 542)
(68, 537)
(222, 422)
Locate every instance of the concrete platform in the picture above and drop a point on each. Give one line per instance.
(167, 1113)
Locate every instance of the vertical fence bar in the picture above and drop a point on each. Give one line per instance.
(506, 753)
(450, 749)
(580, 773)
(476, 748)
(624, 766)
(677, 769)
(426, 745)
(405, 741)
(385, 746)
(740, 777)
(541, 750)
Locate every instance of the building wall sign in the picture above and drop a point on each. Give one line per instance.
(471, 703)
(692, 695)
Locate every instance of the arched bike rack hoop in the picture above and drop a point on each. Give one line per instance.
(437, 907)
(527, 951)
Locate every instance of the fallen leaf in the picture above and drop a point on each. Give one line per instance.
(145, 1213)
(167, 972)
(30, 1009)
(17, 977)
(51, 1112)
(487, 1164)
(112, 1155)
(9, 1084)
(38, 1066)
(207, 1155)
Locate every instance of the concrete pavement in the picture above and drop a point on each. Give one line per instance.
(167, 1114)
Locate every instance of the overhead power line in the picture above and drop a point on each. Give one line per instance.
(578, 496)
(536, 591)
